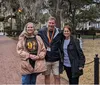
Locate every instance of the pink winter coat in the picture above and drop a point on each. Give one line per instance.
(40, 64)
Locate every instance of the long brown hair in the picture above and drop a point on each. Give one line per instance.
(67, 26)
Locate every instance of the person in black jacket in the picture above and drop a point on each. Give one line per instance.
(73, 57)
(51, 36)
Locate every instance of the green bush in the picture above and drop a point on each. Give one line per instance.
(7, 29)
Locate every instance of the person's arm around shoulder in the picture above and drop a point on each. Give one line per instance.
(40, 32)
(20, 49)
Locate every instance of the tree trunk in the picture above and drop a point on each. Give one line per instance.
(73, 21)
(58, 21)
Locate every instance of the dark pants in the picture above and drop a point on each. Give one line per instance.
(69, 74)
(29, 79)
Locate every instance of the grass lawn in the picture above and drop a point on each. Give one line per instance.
(89, 37)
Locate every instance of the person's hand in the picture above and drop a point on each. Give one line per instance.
(80, 68)
(33, 57)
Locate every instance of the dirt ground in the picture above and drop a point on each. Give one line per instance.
(10, 64)
(90, 48)
(10, 67)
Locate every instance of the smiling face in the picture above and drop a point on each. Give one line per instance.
(67, 32)
(51, 24)
(30, 28)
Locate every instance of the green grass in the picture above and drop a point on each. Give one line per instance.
(89, 36)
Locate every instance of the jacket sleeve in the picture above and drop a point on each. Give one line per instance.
(80, 53)
(21, 51)
(42, 48)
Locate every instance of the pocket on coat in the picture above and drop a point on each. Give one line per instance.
(80, 72)
(75, 69)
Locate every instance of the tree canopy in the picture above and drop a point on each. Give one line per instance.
(68, 11)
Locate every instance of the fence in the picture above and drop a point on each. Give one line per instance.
(96, 69)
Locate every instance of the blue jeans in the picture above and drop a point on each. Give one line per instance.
(29, 79)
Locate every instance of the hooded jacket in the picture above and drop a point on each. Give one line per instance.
(40, 64)
(53, 55)
(76, 56)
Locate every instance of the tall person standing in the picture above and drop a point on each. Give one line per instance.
(51, 36)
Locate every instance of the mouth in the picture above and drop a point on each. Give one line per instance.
(66, 34)
(50, 27)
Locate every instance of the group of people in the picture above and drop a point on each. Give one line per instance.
(50, 50)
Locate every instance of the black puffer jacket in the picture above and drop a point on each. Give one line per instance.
(76, 56)
(53, 55)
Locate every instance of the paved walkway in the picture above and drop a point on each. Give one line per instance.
(9, 64)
